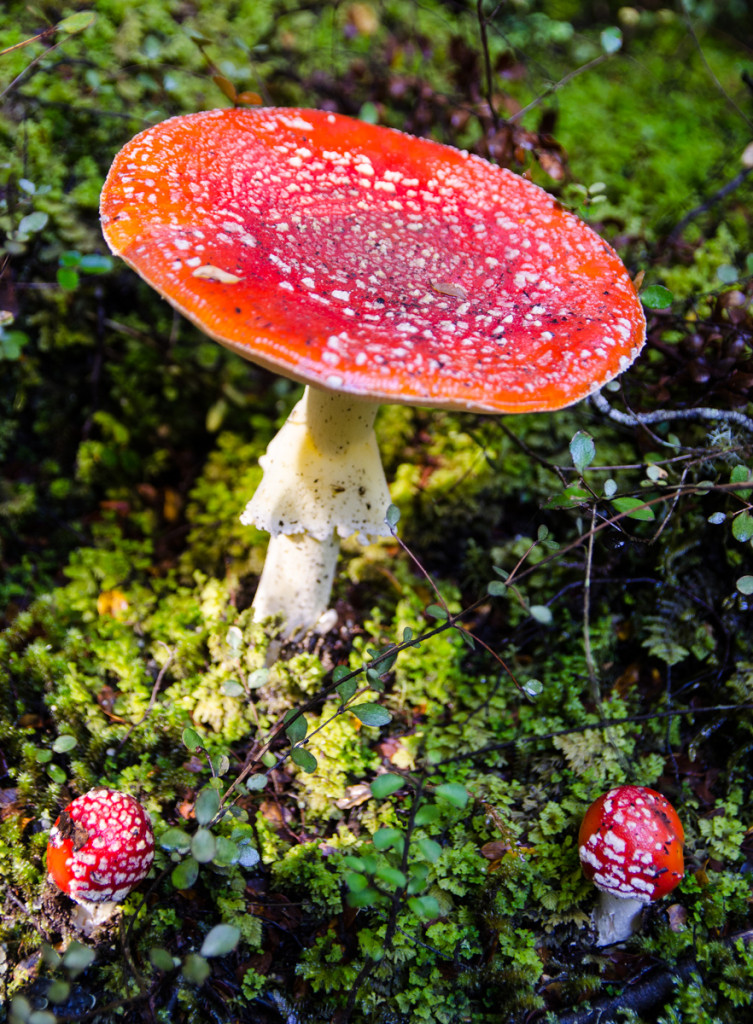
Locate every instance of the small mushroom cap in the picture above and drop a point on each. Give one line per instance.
(357, 258)
(630, 844)
(100, 847)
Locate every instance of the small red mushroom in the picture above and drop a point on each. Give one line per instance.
(630, 847)
(372, 267)
(100, 847)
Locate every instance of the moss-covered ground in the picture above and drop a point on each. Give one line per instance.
(566, 606)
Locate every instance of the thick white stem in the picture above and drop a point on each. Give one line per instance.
(323, 479)
(297, 579)
(615, 919)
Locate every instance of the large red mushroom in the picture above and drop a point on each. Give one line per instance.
(372, 267)
(630, 846)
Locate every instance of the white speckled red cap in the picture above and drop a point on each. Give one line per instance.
(630, 844)
(358, 258)
(100, 847)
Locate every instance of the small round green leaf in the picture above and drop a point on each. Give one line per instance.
(20, 1010)
(355, 881)
(41, 1017)
(533, 688)
(429, 849)
(58, 991)
(369, 113)
(384, 838)
(304, 759)
(372, 714)
(257, 782)
(222, 939)
(220, 765)
(77, 958)
(185, 874)
(393, 516)
(346, 690)
(64, 743)
(392, 876)
(367, 897)
(632, 508)
(611, 42)
(248, 857)
(75, 23)
(427, 814)
(739, 475)
(296, 731)
(541, 614)
(196, 969)
(257, 678)
(203, 846)
(175, 839)
(424, 906)
(68, 279)
(582, 450)
(234, 639)
(192, 739)
(95, 263)
(745, 584)
(656, 296)
(453, 793)
(161, 959)
(727, 274)
(207, 805)
(32, 222)
(385, 785)
(742, 527)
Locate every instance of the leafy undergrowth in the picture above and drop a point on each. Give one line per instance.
(378, 823)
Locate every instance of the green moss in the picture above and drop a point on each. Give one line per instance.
(130, 445)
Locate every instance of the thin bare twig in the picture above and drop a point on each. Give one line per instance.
(591, 668)
(660, 415)
(488, 88)
(728, 99)
(712, 200)
(557, 86)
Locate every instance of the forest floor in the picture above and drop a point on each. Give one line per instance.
(564, 604)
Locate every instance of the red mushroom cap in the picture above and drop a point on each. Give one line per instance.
(630, 844)
(357, 258)
(100, 847)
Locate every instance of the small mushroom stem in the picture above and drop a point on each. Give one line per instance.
(615, 918)
(88, 916)
(323, 479)
(296, 579)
